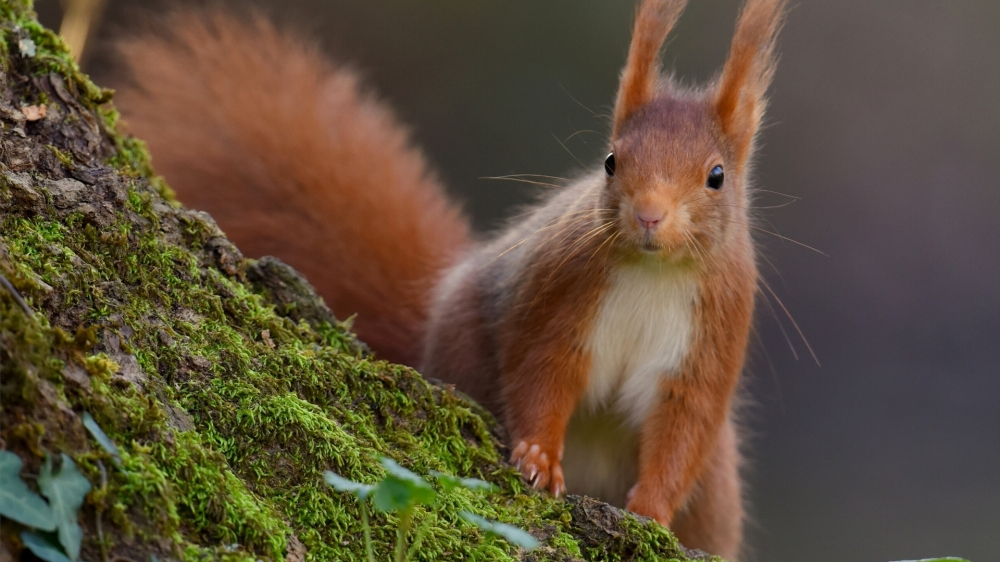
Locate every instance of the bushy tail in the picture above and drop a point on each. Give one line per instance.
(294, 160)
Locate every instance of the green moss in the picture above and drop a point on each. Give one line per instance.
(225, 412)
(64, 158)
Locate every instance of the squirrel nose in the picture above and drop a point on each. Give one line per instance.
(648, 219)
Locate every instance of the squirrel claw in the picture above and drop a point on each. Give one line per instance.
(537, 468)
(558, 487)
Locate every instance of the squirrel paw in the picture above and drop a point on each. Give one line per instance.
(646, 505)
(539, 468)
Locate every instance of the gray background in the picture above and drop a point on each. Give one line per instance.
(885, 123)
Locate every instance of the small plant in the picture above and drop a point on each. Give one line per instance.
(401, 491)
(102, 438)
(54, 533)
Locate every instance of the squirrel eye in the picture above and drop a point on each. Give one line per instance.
(609, 164)
(715, 178)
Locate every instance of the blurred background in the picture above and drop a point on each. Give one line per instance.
(884, 134)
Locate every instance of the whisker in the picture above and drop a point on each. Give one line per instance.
(769, 223)
(750, 208)
(583, 215)
(592, 112)
(578, 132)
(776, 193)
(769, 262)
(587, 236)
(691, 241)
(533, 210)
(775, 234)
(519, 180)
(789, 240)
(611, 239)
(568, 151)
(792, 320)
(508, 176)
(704, 250)
(571, 251)
(781, 326)
(770, 364)
(522, 241)
(695, 200)
(782, 206)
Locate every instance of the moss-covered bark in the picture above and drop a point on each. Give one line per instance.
(226, 384)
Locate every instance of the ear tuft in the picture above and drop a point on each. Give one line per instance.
(654, 20)
(739, 99)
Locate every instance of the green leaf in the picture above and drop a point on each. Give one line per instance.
(393, 494)
(17, 501)
(449, 482)
(44, 546)
(519, 537)
(401, 473)
(342, 484)
(65, 490)
(401, 489)
(102, 438)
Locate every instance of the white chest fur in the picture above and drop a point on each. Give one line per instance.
(642, 333)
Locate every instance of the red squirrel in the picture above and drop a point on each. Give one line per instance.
(607, 328)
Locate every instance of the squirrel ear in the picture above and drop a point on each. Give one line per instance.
(653, 21)
(739, 97)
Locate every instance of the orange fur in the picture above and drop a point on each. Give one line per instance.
(712, 519)
(542, 367)
(537, 290)
(739, 97)
(653, 22)
(294, 160)
(515, 322)
(689, 426)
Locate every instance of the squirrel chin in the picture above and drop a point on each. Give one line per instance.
(661, 255)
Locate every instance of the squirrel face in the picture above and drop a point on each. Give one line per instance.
(674, 192)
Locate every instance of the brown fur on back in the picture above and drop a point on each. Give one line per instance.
(294, 160)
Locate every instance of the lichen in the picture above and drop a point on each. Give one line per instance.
(226, 412)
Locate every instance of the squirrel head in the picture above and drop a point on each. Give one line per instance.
(676, 174)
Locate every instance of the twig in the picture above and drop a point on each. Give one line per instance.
(405, 518)
(368, 532)
(17, 296)
(100, 527)
(76, 24)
